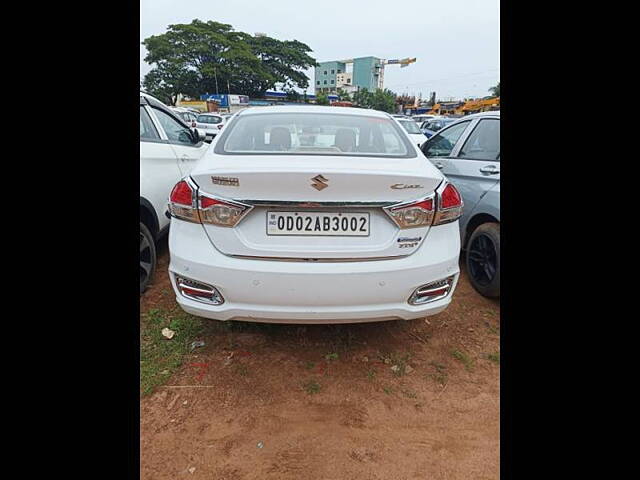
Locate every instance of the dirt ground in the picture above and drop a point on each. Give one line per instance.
(389, 400)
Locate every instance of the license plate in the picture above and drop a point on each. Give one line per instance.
(327, 224)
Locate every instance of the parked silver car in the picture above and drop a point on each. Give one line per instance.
(468, 153)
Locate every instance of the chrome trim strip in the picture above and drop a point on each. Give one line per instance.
(312, 204)
(316, 260)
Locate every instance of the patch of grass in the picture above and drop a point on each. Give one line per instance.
(309, 365)
(159, 354)
(409, 394)
(464, 358)
(387, 390)
(440, 375)
(312, 387)
(401, 360)
(493, 330)
(371, 373)
(331, 356)
(494, 357)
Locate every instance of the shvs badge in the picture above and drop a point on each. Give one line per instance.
(407, 242)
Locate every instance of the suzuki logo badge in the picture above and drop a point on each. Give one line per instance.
(319, 182)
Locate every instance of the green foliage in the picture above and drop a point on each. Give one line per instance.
(160, 357)
(343, 95)
(384, 100)
(495, 90)
(207, 57)
(463, 358)
(322, 99)
(312, 387)
(494, 357)
(293, 96)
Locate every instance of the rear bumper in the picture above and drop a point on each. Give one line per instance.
(302, 292)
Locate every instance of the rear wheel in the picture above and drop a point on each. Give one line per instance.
(483, 259)
(147, 257)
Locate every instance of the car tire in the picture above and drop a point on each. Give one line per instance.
(147, 257)
(483, 259)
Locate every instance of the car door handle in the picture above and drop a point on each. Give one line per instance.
(184, 158)
(439, 165)
(490, 170)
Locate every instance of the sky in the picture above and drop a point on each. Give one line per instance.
(456, 42)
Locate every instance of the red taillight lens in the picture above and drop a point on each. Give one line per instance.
(182, 202)
(181, 194)
(450, 197)
(449, 205)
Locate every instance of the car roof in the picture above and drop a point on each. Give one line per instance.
(493, 113)
(211, 114)
(312, 109)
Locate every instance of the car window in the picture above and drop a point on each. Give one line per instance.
(315, 134)
(147, 130)
(484, 141)
(175, 131)
(441, 144)
(410, 126)
(209, 119)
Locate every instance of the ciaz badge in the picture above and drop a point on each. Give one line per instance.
(402, 186)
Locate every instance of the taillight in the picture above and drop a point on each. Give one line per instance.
(219, 127)
(449, 207)
(187, 204)
(413, 214)
(442, 206)
(182, 202)
(224, 213)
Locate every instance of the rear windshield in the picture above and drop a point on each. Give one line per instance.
(209, 119)
(410, 126)
(314, 134)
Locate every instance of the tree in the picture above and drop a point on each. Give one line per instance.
(362, 98)
(210, 57)
(344, 95)
(322, 99)
(293, 96)
(384, 100)
(495, 90)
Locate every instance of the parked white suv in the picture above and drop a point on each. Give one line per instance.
(314, 214)
(168, 151)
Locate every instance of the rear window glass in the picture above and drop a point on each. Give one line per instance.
(209, 119)
(315, 134)
(410, 126)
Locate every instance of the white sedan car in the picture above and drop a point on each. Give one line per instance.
(413, 129)
(211, 124)
(312, 214)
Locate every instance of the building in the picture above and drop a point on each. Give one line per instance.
(349, 75)
(326, 76)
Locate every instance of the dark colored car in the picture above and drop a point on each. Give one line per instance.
(430, 127)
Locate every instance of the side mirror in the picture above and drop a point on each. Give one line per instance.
(198, 135)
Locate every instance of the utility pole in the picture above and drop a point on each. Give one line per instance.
(216, 77)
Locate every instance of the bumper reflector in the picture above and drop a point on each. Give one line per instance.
(431, 292)
(198, 291)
